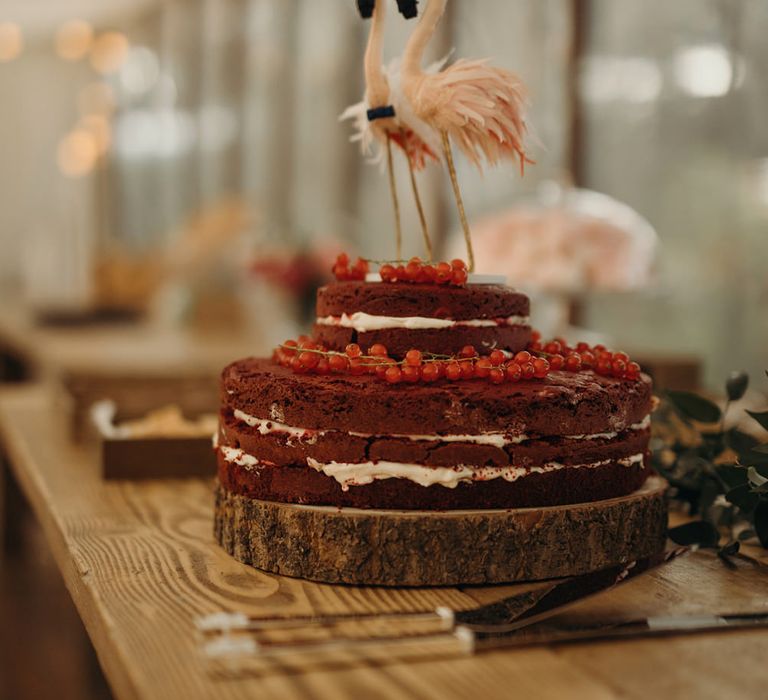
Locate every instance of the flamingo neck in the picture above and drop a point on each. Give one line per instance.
(425, 30)
(376, 82)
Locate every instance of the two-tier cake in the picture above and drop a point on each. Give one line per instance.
(424, 434)
(355, 440)
(348, 439)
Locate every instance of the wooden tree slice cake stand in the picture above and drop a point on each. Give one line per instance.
(441, 548)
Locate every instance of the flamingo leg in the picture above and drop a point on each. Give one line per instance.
(459, 200)
(420, 208)
(395, 202)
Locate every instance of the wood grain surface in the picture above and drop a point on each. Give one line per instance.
(140, 563)
(358, 546)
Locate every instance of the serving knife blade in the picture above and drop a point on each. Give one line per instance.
(525, 609)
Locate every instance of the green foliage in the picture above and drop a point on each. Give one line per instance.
(698, 532)
(736, 385)
(722, 475)
(761, 418)
(694, 407)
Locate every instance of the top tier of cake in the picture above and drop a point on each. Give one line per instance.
(433, 318)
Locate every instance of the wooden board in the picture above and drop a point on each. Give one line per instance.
(140, 562)
(441, 548)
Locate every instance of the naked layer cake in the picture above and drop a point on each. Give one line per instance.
(363, 423)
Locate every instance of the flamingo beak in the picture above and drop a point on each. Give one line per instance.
(408, 8)
(365, 7)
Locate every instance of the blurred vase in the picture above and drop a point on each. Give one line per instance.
(269, 312)
(58, 257)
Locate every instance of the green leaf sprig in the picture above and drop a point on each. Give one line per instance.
(721, 474)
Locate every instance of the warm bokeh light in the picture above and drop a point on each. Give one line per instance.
(11, 41)
(74, 40)
(96, 98)
(99, 127)
(109, 51)
(77, 153)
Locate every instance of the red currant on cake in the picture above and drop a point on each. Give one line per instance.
(413, 358)
(338, 363)
(393, 375)
(353, 350)
(497, 357)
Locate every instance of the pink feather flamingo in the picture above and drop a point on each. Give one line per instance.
(479, 107)
(385, 117)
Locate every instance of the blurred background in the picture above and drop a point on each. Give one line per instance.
(185, 157)
(175, 184)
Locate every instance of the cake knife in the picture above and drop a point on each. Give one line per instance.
(504, 616)
(473, 640)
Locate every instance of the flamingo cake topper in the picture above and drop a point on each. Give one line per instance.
(478, 107)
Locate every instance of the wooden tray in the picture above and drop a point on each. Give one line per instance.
(166, 457)
(441, 548)
(157, 458)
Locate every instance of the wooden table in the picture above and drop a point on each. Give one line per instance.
(139, 365)
(119, 347)
(141, 565)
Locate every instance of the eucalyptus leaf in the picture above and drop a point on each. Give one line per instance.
(755, 459)
(736, 385)
(760, 417)
(743, 498)
(758, 482)
(761, 469)
(695, 407)
(733, 475)
(739, 441)
(761, 522)
(698, 532)
(721, 475)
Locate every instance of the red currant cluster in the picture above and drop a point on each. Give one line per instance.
(305, 356)
(343, 272)
(414, 271)
(417, 272)
(583, 356)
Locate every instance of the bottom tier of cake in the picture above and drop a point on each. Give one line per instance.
(548, 486)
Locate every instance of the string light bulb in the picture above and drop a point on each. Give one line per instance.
(11, 41)
(109, 52)
(74, 40)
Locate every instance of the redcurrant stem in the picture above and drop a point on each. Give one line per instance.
(428, 356)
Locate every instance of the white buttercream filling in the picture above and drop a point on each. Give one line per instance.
(362, 322)
(235, 455)
(498, 439)
(361, 473)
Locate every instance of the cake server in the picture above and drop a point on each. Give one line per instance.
(504, 616)
(473, 640)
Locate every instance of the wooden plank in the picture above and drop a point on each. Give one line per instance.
(140, 562)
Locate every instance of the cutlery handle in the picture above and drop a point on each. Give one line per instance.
(474, 641)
